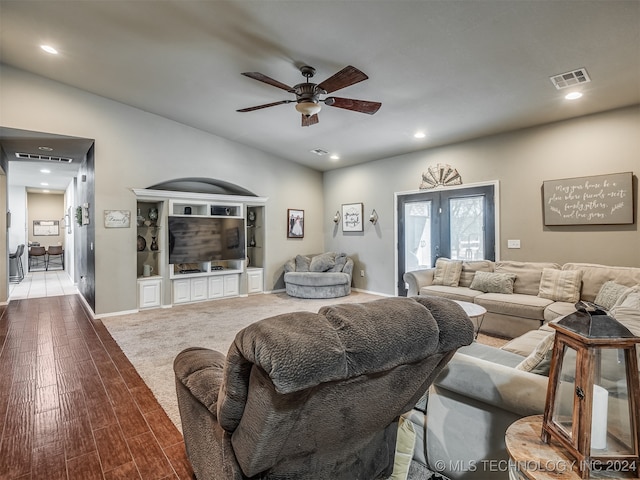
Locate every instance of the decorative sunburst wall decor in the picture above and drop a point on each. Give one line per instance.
(440, 176)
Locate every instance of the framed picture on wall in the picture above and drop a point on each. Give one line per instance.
(352, 217)
(295, 223)
(46, 228)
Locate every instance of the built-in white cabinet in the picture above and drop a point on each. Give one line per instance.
(200, 288)
(149, 292)
(254, 280)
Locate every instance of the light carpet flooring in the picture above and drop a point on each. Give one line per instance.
(151, 339)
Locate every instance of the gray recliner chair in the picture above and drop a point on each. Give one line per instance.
(310, 396)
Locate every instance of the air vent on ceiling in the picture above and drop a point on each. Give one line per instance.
(319, 151)
(48, 158)
(569, 79)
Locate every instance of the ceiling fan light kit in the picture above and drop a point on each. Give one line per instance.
(308, 101)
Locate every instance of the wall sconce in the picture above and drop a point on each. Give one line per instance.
(373, 218)
(336, 217)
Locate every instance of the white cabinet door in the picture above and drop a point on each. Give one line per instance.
(216, 287)
(254, 280)
(198, 289)
(231, 285)
(149, 293)
(181, 290)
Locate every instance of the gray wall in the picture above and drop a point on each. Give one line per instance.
(520, 161)
(135, 149)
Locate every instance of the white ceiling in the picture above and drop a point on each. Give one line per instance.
(455, 69)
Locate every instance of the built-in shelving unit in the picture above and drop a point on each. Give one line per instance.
(214, 278)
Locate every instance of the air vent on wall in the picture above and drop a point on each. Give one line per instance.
(569, 79)
(49, 158)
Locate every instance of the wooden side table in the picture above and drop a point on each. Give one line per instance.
(532, 459)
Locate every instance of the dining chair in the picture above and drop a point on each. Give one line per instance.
(17, 257)
(37, 255)
(57, 252)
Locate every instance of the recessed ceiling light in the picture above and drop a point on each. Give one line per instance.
(44, 170)
(44, 184)
(573, 95)
(45, 149)
(49, 49)
(45, 191)
(335, 157)
(419, 135)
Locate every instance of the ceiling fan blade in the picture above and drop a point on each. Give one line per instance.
(307, 121)
(362, 106)
(268, 80)
(258, 107)
(347, 76)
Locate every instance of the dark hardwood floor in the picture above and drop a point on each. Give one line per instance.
(72, 406)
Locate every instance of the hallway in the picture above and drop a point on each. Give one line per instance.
(38, 284)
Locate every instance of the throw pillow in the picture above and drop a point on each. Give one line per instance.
(560, 285)
(627, 313)
(302, 263)
(609, 294)
(341, 260)
(447, 272)
(405, 442)
(323, 263)
(539, 360)
(493, 282)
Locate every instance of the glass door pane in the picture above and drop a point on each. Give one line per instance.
(417, 235)
(466, 228)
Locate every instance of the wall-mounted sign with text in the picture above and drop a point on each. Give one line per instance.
(595, 200)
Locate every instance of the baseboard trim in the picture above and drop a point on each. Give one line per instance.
(371, 292)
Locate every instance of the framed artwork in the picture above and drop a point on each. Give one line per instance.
(46, 228)
(117, 218)
(352, 217)
(295, 223)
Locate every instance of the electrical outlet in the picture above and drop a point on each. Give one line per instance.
(513, 243)
(362, 273)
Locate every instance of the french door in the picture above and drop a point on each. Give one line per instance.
(457, 224)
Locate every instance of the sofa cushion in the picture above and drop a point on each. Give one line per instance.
(528, 274)
(609, 294)
(517, 305)
(560, 285)
(558, 309)
(594, 276)
(539, 360)
(341, 260)
(526, 343)
(454, 293)
(323, 262)
(302, 263)
(489, 282)
(316, 279)
(627, 312)
(469, 270)
(447, 272)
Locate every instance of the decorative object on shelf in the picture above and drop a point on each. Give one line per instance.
(140, 219)
(336, 217)
(248, 261)
(154, 244)
(252, 242)
(117, 219)
(187, 210)
(85, 214)
(252, 216)
(142, 243)
(373, 218)
(153, 215)
(595, 200)
(440, 175)
(352, 217)
(147, 270)
(295, 223)
(591, 409)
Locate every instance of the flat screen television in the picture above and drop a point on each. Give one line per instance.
(203, 239)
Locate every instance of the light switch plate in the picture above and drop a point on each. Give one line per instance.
(513, 243)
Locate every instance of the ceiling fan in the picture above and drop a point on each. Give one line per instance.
(308, 94)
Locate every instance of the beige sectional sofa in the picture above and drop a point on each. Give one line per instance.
(523, 295)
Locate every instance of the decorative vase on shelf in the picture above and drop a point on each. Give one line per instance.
(142, 243)
(154, 244)
(252, 216)
(252, 242)
(140, 219)
(153, 215)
